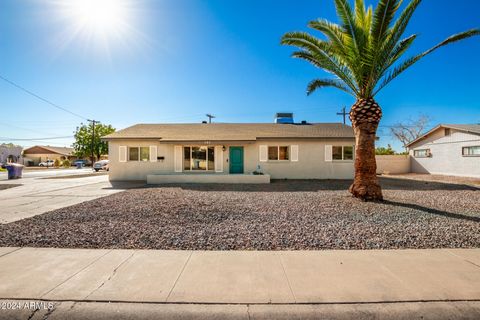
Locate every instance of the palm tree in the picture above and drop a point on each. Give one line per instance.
(362, 53)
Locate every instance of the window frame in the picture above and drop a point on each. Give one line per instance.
(139, 154)
(428, 153)
(191, 158)
(343, 153)
(278, 153)
(470, 155)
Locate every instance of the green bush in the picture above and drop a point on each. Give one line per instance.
(56, 163)
(66, 163)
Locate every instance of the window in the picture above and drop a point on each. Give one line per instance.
(337, 153)
(447, 131)
(138, 154)
(471, 151)
(132, 154)
(348, 153)
(342, 152)
(422, 153)
(198, 158)
(144, 153)
(278, 153)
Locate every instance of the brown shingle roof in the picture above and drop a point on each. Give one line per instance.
(232, 131)
(41, 149)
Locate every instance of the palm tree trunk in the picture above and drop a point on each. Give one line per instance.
(365, 116)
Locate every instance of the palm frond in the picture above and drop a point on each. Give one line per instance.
(307, 42)
(382, 18)
(329, 64)
(321, 83)
(345, 14)
(411, 61)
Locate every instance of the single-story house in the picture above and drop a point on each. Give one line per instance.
(231, 152)
(10, 153)
(34, 155)
(449, 149)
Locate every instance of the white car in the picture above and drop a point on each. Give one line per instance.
(48, 163)
(101, 165)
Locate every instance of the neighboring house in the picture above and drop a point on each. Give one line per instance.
(450, 149)
(206, 152)
(10, 153)
(36, 154)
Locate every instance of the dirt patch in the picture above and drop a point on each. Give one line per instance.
(74, 176)
(279, 216)
(437, 178)
(8, 186)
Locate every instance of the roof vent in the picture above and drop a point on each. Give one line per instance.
(284, 117)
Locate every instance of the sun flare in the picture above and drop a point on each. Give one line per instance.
(102, 26)
(99, 15)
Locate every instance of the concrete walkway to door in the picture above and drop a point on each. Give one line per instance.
(286, 278)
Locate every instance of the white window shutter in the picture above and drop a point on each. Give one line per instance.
(294, 153)
(177, 158)
(153, 153)
(122, 154)
(263, 153)
(328, 153)
(218, 159)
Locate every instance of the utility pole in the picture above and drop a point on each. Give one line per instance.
(344, 114)
(210, 117)
(93, 139)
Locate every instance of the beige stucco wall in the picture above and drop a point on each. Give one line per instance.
(311, 162)
(393, 164)
(447, 155)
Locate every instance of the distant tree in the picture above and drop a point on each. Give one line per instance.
(83, 140)
(384, 151)
(409, 130)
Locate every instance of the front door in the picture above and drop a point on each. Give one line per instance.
(236, 159)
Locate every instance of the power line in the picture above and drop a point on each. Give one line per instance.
(39, 97)
(34, 139)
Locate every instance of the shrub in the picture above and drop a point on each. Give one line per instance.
(56, 163)
(66, 163)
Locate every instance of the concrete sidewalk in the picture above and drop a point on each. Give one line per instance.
(36, 195)
(242, 277)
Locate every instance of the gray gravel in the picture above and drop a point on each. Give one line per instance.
(282, 215)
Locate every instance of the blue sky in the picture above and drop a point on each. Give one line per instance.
(178, 60)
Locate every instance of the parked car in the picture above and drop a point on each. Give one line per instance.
(48, 163)
(101, 165)
(83, 162)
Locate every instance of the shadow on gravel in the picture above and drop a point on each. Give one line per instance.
(116, 185)
(8, 186)
(432, 211)
(318, 185)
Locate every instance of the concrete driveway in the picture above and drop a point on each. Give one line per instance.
(38, 193)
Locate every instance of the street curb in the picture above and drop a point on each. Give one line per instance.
(122, 310)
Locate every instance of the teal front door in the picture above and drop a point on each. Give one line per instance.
(236, 160)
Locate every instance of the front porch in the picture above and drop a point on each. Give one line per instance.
(207, 178)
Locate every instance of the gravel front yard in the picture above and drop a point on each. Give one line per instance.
(282, 215)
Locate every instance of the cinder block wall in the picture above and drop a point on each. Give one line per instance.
(393, 164)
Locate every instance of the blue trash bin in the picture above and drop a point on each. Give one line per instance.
(15, 170)
(79, 165)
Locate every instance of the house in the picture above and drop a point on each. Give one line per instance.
(36, 154)
(449, 149)
(10, 153)
(231, 152)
